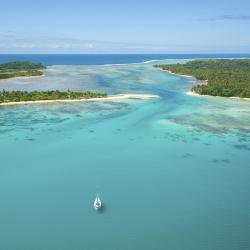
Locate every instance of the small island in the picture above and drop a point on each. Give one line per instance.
(8, 98)
(20, 69)
(51, 95)
(218, 77)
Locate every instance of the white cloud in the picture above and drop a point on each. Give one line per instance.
(13, 42)
(227, 17)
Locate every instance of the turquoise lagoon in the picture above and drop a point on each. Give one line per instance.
(173, 172)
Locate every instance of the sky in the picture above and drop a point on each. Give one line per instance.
(115, 26)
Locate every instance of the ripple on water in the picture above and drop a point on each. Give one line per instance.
(216, 124)
(242, 146)
(187, 155)
(218, 161)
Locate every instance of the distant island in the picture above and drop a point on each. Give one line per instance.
(20, 69)
(220, 77)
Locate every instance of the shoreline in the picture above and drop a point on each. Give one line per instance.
(172, 73)
(192, 93)
(107, 98)
(204, 82)
(21, 77)
(200, 82)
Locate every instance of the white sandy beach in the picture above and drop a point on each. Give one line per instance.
(171, 73)
(108, 98)
(232, 97)
(19, 78)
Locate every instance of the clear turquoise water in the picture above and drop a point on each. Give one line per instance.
(173, 172)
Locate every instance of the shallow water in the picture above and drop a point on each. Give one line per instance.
(173, 172)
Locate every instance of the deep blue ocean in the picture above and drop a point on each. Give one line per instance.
(85, 59)
(173, 172)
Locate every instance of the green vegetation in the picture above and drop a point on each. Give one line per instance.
(225, 77)
(17, 69)
(19, 96)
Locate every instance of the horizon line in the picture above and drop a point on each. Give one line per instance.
(177, 53)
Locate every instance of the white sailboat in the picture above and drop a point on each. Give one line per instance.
(97, 203)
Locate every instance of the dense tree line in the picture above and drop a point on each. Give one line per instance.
(18, 96)
(225, 77)
(18, 68)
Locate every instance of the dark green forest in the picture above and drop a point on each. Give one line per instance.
(18, 96)
(225, 77)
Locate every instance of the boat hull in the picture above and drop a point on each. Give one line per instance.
(97, 204)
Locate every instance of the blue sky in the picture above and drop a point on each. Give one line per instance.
(111, 26)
